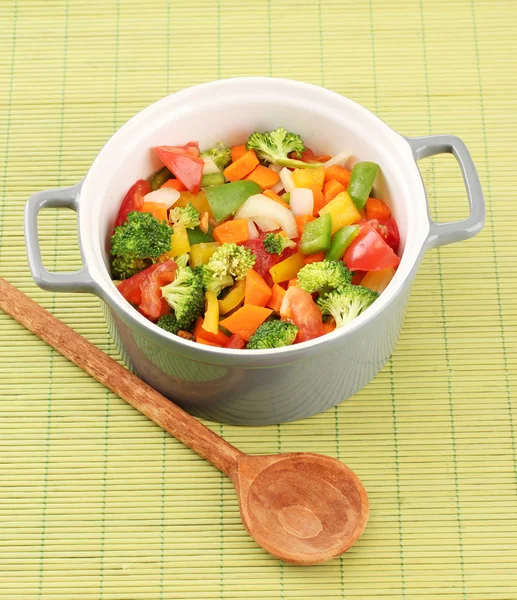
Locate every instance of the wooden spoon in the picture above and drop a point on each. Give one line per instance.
(303, 508)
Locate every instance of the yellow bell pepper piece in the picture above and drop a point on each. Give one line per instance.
(305, 178)
(211, 320)
(342, 210)
(378, 280)
(179, 241)
(287, 269)
(198, 201)
(233, 298)
(200, 253)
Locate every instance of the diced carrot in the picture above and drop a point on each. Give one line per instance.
(219, 338)
(175, 184)
(339, 174)
(377, 209)
(235, 232)
(277, 296)
(157, 209)
(235, 341)
(331, 189)
(292, 282)
(242, 166)
(201, 340)
(246, 320)
(265, 177)
(312, 258)
(301, 220)
(319, 199)
(257, 291)
(323, 158)
(238, 151)
(276, 198)
(329, 326)
(362, 212)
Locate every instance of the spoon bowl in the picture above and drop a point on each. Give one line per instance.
(303, 508)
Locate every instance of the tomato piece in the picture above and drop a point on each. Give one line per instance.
(307, 156)
(144, 288)
(299, 306)
(235, 341)
(389, 231)
(369, 252)
(185, 163)
(133, 200)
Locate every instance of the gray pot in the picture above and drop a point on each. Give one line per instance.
(256, 387)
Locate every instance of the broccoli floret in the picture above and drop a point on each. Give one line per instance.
(169, 323)
(230, 259)
(187, 216)
(346, 303)
(124, 268)
(211, 282)
(185, 295)
(182, 260)
(273, 334)
(275, 147)
(323, 276)
(276, 243)
(220, 154)
(141, 237)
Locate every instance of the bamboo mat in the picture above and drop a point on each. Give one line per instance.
(95, 501)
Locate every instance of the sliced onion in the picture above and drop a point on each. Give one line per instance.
(286, 177)
(262, 206)
(210, 167)
(266, 224)
(302, 201)
(253, 233)
(340, 159)
(167, 196)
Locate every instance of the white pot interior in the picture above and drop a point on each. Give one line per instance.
(229, 111)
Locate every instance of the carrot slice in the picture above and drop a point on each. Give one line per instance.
(377, 209)
(242, 166)
(301, 220)
(201, 340)
(312, 258)
(331, 189)
(277, 295)
(265, 177)
(199, 333)
(271, 194)
(238, 151)
(246, 320)
(257, 291)
(157, 209)
(339, 174)
(235, 231)
(175, 184)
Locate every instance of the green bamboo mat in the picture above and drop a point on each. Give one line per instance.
(96, 502)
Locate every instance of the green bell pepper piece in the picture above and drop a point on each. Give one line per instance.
(286, 197)
(361, 182)
(212, 179)
(316, 235)
(157, 179)
(225, 199)
(340, 241)
(196, 236)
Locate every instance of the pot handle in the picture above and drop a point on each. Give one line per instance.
(78, 281)
(446, 233)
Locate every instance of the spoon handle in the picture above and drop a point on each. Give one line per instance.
(119, 380)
